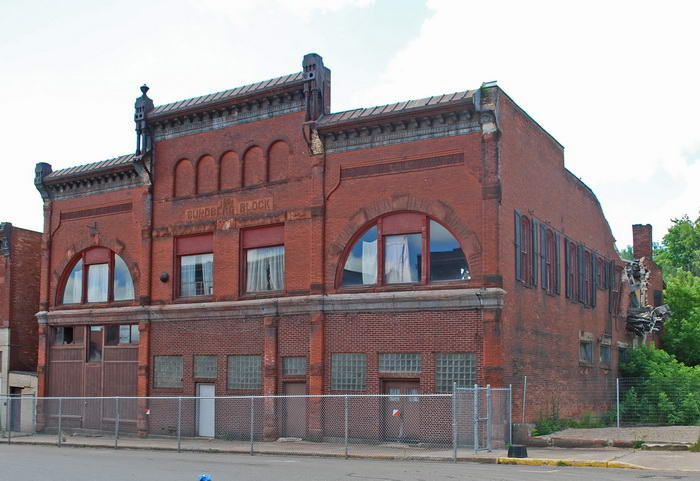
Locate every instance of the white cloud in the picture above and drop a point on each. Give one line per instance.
(615, 82)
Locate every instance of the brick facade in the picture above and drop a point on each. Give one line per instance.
(271, 154)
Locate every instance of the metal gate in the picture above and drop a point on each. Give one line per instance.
(482, 417)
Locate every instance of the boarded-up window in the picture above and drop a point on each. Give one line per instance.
(349, 372)
(244, 372)
(400, 362)
(167, 371)
(454, 367)
(205, 367)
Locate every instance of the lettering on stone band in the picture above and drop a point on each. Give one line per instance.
(227, 208)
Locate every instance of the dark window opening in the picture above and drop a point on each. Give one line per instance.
(121, 334)
(63, 335)
(95, 344)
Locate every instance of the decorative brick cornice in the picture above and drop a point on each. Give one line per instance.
(384, 302)
(409, 127)
(237, 112)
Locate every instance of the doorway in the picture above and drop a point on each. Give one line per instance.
(206, 404)
(295, 410)
(401, 411)
(16, 408)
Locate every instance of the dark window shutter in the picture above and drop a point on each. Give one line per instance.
(518, 247)
(567, 271)
(557, 263)
(544, 255)
(610, 273)
(581, 274)
(535, 253)
(594, 282)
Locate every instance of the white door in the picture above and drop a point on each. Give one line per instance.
(205, 410)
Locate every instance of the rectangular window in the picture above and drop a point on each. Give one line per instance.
(402, 258)
(585, 352)
(294, 366)
(400, 362)
(454, 367)
(196, 275)
(244, 372)
(196, 265)
(588, 280)
(63, 335)
(263, 256)
(95, 344)
(605, 354)
(98, 283)
(167, 371)
(122, 334)
(265, 269)
(349, 372)
(205, 367)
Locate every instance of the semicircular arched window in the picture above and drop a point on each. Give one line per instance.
(97, 275)
(404, 248)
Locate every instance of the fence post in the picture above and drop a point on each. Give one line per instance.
(346, 426)
(252, 423)
(475, 417)
(524, 397)
(617, 395)
(60, 413)
(489, 418)
(116, 423)
(34, 414)
(179, 422)
(510, 414)
(8, 422)
(454, 422)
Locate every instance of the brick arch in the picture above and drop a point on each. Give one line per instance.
(254, 166)
(438, 210)
(207, 174)
(115, 245)
(278, 160)
(184, 178)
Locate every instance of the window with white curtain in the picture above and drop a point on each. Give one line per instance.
(123, 285)
(361, 264)
(265, 269)
(98, 283)
(196, 275)
(402, 258)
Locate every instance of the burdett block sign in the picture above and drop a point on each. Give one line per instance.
(228, 208)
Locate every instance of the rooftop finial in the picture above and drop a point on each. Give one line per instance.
(144, 89)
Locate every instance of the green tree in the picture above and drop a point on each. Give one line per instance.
(680, 249)
(681, 333)
(627, 253)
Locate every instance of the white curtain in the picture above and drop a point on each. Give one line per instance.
(369, 262)
(98, 283)
(207, 261)
(265, 269)
(397, 262)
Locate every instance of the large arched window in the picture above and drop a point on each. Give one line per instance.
(404, 248)
(97, 275)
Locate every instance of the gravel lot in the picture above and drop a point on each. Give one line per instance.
(658, 434)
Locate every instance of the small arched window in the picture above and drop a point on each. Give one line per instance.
(97, 275)
(405, 248)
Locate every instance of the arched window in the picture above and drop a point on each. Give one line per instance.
(97, 275)
(405, 248)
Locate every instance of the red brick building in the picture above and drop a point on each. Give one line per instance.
(19, 298)
(258, 243)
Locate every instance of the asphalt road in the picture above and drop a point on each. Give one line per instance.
(39, 463)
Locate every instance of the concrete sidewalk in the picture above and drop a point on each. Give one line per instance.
(597, 457)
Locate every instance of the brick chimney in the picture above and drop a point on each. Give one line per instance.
(641, 240)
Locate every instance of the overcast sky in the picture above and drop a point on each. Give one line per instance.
(616, 82)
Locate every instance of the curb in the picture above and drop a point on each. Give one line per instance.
(568, 462)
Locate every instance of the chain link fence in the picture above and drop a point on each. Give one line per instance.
(396, 425)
